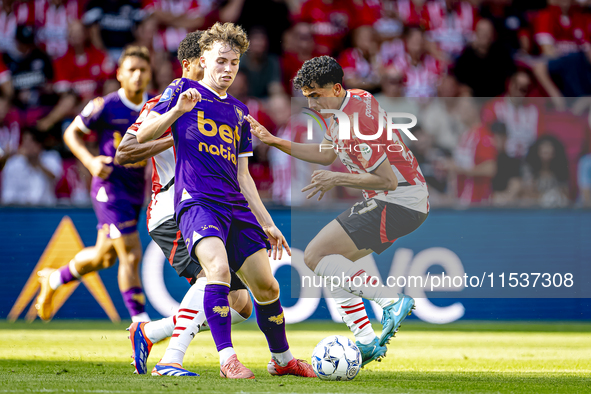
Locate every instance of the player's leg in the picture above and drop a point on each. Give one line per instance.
(205, 227)
(247, 253)
(372, 225)
(256, 273)
(101, 255)
(333, 240)
(129, 251)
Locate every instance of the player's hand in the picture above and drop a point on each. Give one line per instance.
(277, 241)
(99, 166)
(260, 131)
(187, 100)
(322, 181)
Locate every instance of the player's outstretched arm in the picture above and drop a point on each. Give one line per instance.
(96, 165)
(382, 178)
(131, 151)
(155, 125)
(313, 153)
(249, 190)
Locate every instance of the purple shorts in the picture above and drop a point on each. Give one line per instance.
(117, 210)
(233, 223)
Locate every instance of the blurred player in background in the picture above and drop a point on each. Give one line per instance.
(117, 191)
(217, 206)
(396, 199)
(190, 318)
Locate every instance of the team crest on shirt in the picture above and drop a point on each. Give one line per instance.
(240, 114)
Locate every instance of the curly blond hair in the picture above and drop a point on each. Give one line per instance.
(228, 33)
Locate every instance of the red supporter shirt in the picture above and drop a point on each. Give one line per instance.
(566, 32)
(474, 147)
(82, 74)
(52, 24)
(169, 37)
(453, 30)
(419, 80)
(523, 123)
(355, 65)
(331, 22)
(22, 13)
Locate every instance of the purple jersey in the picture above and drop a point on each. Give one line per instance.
(208, 142)
(110, 117)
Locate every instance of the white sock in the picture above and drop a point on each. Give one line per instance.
(357, 281)
(282, 358)
(189, 318)
(225, 354)
(140, 317)
(159, 329)
(55, 280)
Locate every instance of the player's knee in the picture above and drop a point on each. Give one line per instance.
(108, 260)
(241, 303)
(311, 257)
(218, 270)
(268, 291)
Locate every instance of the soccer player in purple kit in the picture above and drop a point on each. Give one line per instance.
(117, 191)
(217, 206)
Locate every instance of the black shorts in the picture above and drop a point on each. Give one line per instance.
(375, 224)
(169, 238)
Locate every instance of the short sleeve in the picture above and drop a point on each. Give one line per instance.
(91, 115)
(245, 148)
(169, 97)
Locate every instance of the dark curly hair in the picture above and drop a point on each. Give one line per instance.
(189, 47)
(322, 70)
(558, 164)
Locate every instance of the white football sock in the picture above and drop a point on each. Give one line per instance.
(357, 281)
(188, 320)
(282, 358)
(236, 319)
(140, 317)
(159, 329)
(225, 354)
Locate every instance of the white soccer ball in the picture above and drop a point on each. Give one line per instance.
(336, 358)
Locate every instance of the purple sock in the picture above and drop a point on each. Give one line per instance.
(217, 312)
(134, 300)
(272, 323)
(66, 275)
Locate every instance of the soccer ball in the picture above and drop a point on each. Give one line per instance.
(336, 358)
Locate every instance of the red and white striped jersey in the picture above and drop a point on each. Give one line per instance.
(450, 30)
(422, 79)
(52, 24)
(161, 206)
(364, 156)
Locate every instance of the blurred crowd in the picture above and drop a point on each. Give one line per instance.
(501, 88)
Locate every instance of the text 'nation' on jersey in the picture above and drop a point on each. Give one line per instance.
(208, 140)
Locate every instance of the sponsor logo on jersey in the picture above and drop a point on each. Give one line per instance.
(229, 136)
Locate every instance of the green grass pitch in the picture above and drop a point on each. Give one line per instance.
(479, 357)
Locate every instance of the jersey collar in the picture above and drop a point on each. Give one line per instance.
(129, 104)
(211, 90)
(345, 101)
